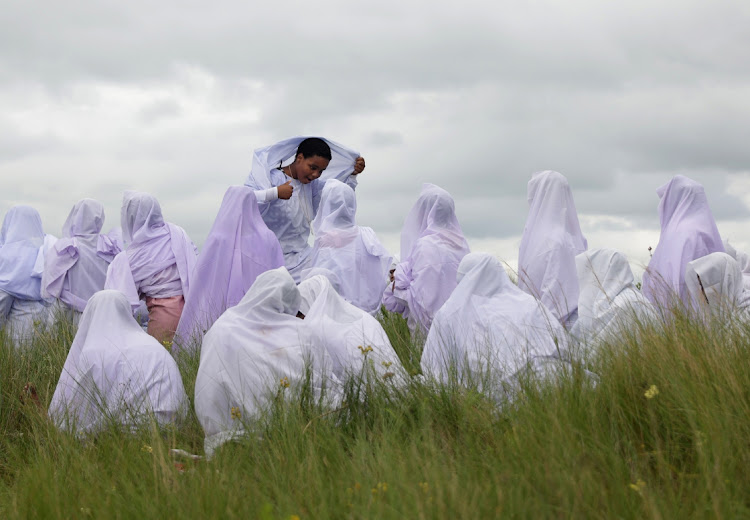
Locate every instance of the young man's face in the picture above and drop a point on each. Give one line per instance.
(309, 169)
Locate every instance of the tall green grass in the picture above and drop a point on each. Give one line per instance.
(665, 433)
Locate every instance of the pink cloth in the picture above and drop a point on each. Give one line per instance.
(688, 232)
(163, 316)
(239, 247)
(432, 246)
(551, 240)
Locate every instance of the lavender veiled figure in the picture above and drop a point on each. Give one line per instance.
(432, 246)
(290, 219)
(76, 265)
(688, 232)
(21, 243)
(353, 253)
(551, 240)
(239, 247)
(156, 265)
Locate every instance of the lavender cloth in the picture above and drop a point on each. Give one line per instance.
(688, 232)
(432, 246)
(353, 253)
(76, 265)
(239, 247)
(155, 247)
(551, 240)
(21, 238)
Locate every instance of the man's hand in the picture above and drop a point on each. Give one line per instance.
(285, 190)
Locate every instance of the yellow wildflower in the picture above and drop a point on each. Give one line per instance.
(147, 448)
(365, 350)
(284, 382)
(638, 486)
(424, 486)
(386, 364)
(236, 413)
(293, 517)
(167, 344)
(652, 392)
(388, 375)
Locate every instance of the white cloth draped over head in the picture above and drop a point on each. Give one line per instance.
(489, 326)
(154, 247)
(246, 353)
(76, 266)
(551, 240)
(290, 219)
(115, 372)
(432, 246)
(238, 248)
(21, 238)
(688, 232)
(743, 259)
(271, 157)
(343, 332)
(353, 253)
(714, 283)
(608, 296)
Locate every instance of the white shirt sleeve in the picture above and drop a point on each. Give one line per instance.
(269, 195)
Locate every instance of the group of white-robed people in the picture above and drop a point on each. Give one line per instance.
(262, 304)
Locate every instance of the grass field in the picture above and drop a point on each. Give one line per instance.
(664, 434)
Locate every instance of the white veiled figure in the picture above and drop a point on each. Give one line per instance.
(246, 354)
(715, 285)
(115, 372)
(608, 297)
(432, 246)
(551, 240)
(743, 259)
(76, 266)
(489, 327)
(688, 232)
(347, 334)
(22, 242)
(352, 252)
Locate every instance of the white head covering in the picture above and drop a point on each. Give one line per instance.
(21, 238)
(75, 267)
(432, 246)
(271, 157)
(353, 253)
(714, 283)
(246, 353)
(688, 231)
(743, 259)
(551, 240)
(608, 297)
(345, 331)
(115, 371)
(489, 323)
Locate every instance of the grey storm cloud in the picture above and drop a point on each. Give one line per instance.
(171, 97)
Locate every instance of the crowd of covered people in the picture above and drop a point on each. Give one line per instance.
(263, 306)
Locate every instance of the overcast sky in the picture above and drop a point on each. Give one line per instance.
(171, 97)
